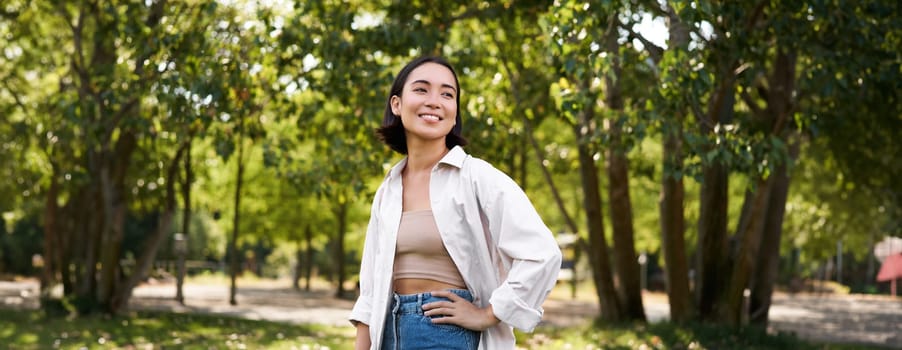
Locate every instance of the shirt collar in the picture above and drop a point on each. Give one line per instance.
(396, 170)
(455, 157)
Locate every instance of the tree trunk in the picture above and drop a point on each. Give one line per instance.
(233, 243)
(92, 254)
(673, 227)
(155, 239)
(769, 262)
(86, 241)
(186, 190)
(712, 266)
(4, 233)
(67, 245)
(112, 181)
(308, 266)
(598, 255)
(732, 306)
(111, 241)
(622, 224)
(186, 225)
(52, 256)
(341, 214)
(298, 265)
(779, 107)
(112, 197)
(627, 263)
(673, 193)
(711, 255)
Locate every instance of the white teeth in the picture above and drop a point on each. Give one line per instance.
(431, 117)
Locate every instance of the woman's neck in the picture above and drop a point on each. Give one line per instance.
(423, 157)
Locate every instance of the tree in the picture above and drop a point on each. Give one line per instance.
(752, 55)
(831, 50)
(672, 107)
(136, 92)
(338, 114)
(102, 104)
(577, 102)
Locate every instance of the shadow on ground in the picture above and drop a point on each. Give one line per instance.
(848, 319)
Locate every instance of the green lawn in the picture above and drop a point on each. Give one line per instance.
(153, 330)
(665, 336)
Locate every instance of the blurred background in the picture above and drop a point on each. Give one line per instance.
(714, 151)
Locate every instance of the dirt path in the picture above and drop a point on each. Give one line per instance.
(840, 318)
(874, 320)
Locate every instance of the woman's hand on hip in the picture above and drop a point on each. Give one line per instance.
(461, 312)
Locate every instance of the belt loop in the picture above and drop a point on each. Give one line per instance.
(397, 303)
(420, 303)
(394, 318)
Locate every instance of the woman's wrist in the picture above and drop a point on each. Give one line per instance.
(491, 319)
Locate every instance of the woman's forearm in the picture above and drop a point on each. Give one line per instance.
(363, 337)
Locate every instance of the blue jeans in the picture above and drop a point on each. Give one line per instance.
(407, 328)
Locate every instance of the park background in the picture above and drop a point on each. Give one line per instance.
(716, 151)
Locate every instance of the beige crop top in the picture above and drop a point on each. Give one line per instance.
(420, 251)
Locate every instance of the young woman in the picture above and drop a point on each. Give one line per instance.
(455, 254)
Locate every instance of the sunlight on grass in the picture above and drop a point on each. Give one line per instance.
(663, 336)
(157, 330)
(31, 330)
(584, 291)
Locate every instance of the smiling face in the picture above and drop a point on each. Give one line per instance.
(427, 103)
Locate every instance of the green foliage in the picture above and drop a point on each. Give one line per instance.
(206, 238)
(847, 187)
(19, 246)
(302, 87)
(823, 210)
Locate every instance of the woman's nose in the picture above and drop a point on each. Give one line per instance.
(432, 101)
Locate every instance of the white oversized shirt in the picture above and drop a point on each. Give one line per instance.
(505, 253)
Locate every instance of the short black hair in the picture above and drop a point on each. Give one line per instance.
(392, 131)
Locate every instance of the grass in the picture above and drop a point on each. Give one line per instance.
(665, 336)
(660, 335)
(154, 330)
(29, 329)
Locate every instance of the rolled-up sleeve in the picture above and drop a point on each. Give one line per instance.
(525, 245)
(363, 307)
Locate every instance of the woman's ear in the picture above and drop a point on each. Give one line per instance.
(396, 105)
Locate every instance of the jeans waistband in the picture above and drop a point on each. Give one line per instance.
(413, 303)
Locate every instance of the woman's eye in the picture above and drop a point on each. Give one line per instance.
(448, 95)
(419, 90)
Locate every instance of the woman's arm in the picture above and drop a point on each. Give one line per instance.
(362, 310)
(525, 245)
(363, 337)
(461, 312)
